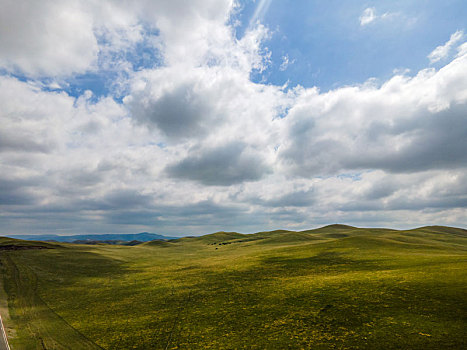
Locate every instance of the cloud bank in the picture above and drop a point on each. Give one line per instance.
(189, 143)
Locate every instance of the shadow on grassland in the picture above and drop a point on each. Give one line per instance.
(261, 305)
(29, 272)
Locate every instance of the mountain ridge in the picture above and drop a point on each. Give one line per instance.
(127, 237)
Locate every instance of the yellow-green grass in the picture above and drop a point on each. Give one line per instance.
(335, 287)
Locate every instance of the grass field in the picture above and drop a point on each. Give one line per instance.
(336, 287)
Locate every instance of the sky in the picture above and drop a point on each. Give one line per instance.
(187, 117)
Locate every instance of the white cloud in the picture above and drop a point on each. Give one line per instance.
(286, 62)
(50, 38)
(443, 51)
(369, 16)
(407, 124)
(61, 38)
(46, 37)
(197, 146)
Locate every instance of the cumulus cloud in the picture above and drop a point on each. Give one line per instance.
(180, 112)
(442, 51)
(196, 145)
(300, 198)
(407, 124)
(16, 192)
(50, 38)
(226, 165)
(46, 37)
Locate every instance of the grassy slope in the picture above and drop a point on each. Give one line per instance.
(37, 325)
(335, 287)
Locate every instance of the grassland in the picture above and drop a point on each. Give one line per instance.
(337, 287)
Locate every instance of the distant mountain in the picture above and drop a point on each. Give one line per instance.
(130, 243)
(142, 237)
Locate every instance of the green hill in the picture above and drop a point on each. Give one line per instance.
(157, 243)
(334, 287)
(218, 237)
(7, 244)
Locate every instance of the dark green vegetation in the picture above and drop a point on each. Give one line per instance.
(335, 287)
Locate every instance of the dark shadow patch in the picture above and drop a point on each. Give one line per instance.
(22, 247)
(337, 235)
(327, 261)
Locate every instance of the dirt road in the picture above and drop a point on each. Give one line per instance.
(3, 339)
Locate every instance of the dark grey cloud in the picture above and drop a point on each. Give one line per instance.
(20, 191)
(131, 208)
(417, 143)
(309, 158)
(223, 166)
(19, 141)
(302, 198)
(201, 214)
(404, 194)
(74, 182)
(127, 199)
(133, 217)
(381, 189)
(121, 199)
(84, 201)
(84, 178)
(420, 204)
(16, 192)
(180, 113)
(403, 203)
(205, 207)
(433, 141)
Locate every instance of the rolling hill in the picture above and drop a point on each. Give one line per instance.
(333, 287)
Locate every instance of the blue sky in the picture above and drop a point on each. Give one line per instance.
(192, 117)
(330, 48)
(324, 42)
